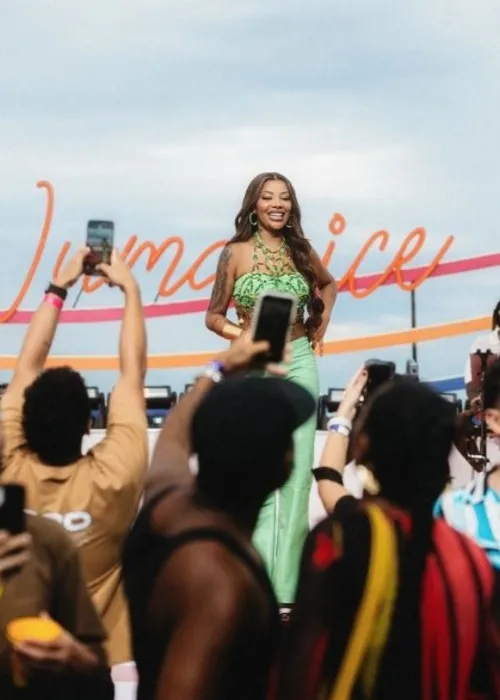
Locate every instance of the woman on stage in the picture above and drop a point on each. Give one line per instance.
(270, 253)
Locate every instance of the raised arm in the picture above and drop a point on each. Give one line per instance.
(170, 462)
(42, 329)
(123, 454)
(133, 344)
(222, 292)
(330, 474)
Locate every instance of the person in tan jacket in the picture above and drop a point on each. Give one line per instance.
(40, 576)
(46, 414)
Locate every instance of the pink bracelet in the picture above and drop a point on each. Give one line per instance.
(54, 301)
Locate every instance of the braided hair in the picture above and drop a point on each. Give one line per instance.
(410, 431)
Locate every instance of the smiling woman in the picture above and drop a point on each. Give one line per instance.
(271, 253)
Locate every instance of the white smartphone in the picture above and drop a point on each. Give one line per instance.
(272, 321)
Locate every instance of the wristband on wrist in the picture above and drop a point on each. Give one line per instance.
(214, 371)
(340, 420)
(340, 429)
(339, 425)
(54, 301)
(58, 291)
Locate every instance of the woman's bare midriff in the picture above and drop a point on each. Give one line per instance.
(297, 331)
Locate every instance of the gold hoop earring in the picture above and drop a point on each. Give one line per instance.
(253, 223)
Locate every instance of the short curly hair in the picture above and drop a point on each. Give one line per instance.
(56, 415)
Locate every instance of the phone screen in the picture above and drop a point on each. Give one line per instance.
(272, 324)
(12, 504)
(100, 240)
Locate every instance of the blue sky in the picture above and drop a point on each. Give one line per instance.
(157, 114)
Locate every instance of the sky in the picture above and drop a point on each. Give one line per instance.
(156, 114)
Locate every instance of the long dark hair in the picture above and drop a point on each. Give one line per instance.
(495, 319)
(410, 430)
(300, 248)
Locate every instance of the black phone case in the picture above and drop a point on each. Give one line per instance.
(12, 505)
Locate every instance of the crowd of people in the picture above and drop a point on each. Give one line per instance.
(135, 557)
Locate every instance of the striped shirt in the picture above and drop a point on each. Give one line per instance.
(475, 511)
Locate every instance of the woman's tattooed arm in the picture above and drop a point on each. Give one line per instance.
(215, 319)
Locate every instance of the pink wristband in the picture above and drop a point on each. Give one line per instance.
(54, 301)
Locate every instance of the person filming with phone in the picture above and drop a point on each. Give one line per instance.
(483, 343)
(204, 615)
(51, 637)
(475, 509)
(391, 603)
(46, 415)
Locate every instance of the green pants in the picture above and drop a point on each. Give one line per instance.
(283, 522)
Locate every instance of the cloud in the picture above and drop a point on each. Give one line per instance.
(158, 113)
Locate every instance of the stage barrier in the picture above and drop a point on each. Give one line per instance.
(124, 675)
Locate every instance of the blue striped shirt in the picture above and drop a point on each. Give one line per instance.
(475, 511)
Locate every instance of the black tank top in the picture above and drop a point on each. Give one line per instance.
(253, 652)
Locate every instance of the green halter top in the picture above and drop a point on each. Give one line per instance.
(251, 285)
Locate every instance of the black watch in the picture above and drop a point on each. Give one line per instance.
(58, 291)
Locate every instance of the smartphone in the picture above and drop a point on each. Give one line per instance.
(100, 240)
(12, 505)
(272, 321)
(379, 372)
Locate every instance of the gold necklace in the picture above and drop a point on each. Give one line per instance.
(275, 261)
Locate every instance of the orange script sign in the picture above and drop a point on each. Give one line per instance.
(173, 250)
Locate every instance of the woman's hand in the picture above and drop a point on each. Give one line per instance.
(319, 335)
(352, 394)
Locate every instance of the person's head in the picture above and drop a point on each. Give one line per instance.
(491, 397)
(242, 436)
(270, 204)
(56, 416)
(405, 436)
(495, 318)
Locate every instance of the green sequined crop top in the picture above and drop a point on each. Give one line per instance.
(250, 286)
